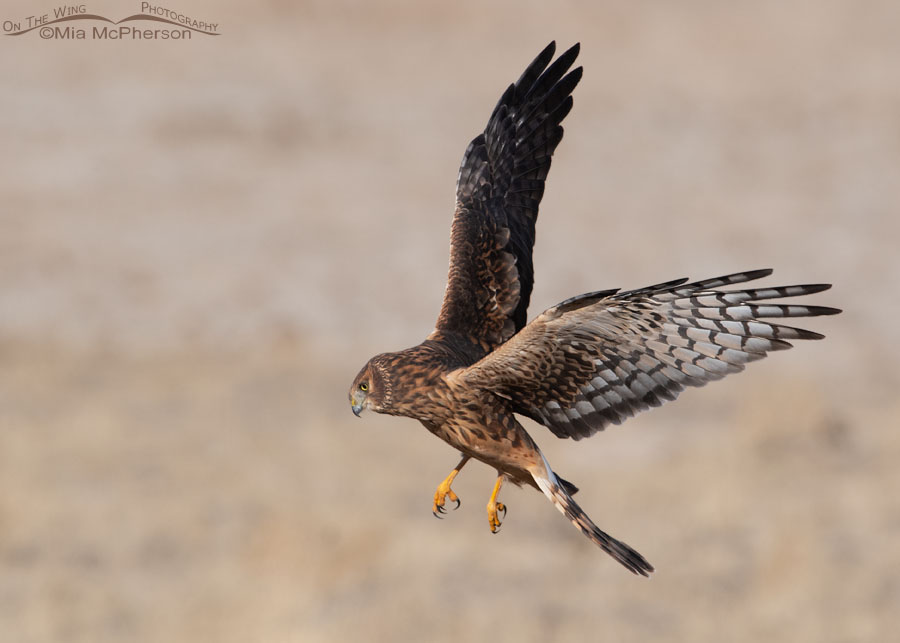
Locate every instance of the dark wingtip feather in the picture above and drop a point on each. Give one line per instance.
(569, 81)
(818, 311)
(564, 108)
(750, 275)
(811, 289)
(570, 54)
(547, 53)
(537, 66)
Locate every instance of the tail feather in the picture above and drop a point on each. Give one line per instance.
(624, 554)
(568, 486)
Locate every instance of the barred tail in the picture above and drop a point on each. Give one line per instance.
(628, 557)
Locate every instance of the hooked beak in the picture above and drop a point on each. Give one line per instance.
(357, 402)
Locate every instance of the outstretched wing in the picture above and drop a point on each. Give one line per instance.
(600, 358)
(499, 189)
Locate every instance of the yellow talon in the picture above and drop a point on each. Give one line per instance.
(494, 507)
(444, 491)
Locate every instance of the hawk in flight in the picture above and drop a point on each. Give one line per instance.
(592, 360)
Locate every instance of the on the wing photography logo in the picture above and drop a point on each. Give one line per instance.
(74, 22)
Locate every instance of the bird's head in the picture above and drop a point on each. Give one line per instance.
(371, 389)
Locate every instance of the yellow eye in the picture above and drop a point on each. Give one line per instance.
(363, 386)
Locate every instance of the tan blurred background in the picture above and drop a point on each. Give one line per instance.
(203, 241)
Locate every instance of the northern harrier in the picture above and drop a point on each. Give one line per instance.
(592, 360)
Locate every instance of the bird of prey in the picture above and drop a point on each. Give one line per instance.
(589, 361)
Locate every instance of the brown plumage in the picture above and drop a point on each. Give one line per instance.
(592, 360)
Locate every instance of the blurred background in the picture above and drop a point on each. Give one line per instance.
(203, 241)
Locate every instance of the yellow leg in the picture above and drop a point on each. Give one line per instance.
(493, 507)
(444, 491)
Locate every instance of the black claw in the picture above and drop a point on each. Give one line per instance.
(437, 515)
(503, 509)
(458, 503)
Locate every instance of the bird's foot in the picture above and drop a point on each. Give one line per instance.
(443, 492)
(493, 509)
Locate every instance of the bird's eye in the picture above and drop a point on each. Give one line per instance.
(363, 386)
